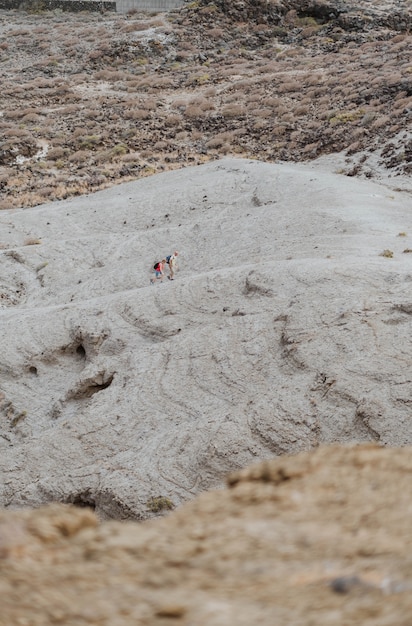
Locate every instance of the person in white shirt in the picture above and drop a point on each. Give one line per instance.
(171, 260)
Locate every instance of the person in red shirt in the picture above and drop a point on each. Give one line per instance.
(159, 271)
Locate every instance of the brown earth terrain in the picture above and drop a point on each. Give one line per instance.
(88, 101)
(321, 539)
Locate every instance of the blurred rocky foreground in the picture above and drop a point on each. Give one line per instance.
(318, 538)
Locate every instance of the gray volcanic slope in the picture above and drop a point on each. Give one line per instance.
(286, 327)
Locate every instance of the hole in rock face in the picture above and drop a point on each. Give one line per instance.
(90, 387)
(95, 387)
(80, 351)
(33, 370)
(83, 500)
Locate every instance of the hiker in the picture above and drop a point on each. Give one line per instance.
(159, 271)
(171, 260)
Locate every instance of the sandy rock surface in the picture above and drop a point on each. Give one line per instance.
(288, 326)
(321, 538)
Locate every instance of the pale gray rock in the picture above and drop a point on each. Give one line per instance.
(286, 327)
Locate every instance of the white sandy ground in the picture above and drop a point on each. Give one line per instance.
(284, 328)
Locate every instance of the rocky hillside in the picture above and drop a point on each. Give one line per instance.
(288, 326)
(321, 538)
(90, 100)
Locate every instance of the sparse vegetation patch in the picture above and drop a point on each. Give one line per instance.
(273, 81)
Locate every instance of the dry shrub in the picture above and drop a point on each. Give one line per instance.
(136, 114)
(141, 25)
(280, 130)
(7, 203)
(146, 154)
(78, 157)
(227, 73)
(92, 114)
(281, 110)
(301, 110)
(161, 145)
(78, 132)
(317, 92)
(203, 103)
(324, 100)
(231, 98)
(131, 78)
(265, 113)
(109, 75)
(216, 33)
(13, 114)
(309, 31)
(219, 140)
(313, 79)
(215, 142)
(149, 104)
(225, 149)
(291, 53)
(269, 79)
(403, 104)
(358, 133)
(89, 142)
(68, 43)
(130, 28)
(260, 124)
(18, 33)
(31, 118)
(394, 79)
(94, 55)
(132, 86)
(271, 102)
(179, 103)
(232, 111)
(181, 136)
(243, 85)
(401, 95)
(46, 192)
(71, 109)
(17, 132)
(294, 136)
(350, 96)
(131, 157)
(311, 148)
(104, 156)
(353, 147)
(286, 118)
(380, 122)
(172, 120)
(210, 92)
(193, 112)
(255, 97)
(156, 82)
(378, 81)
(42, 83)
(57, 153)
(269, 68)
(156, 22)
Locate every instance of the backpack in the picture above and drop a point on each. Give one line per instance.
(156, 265)
(168, 259)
